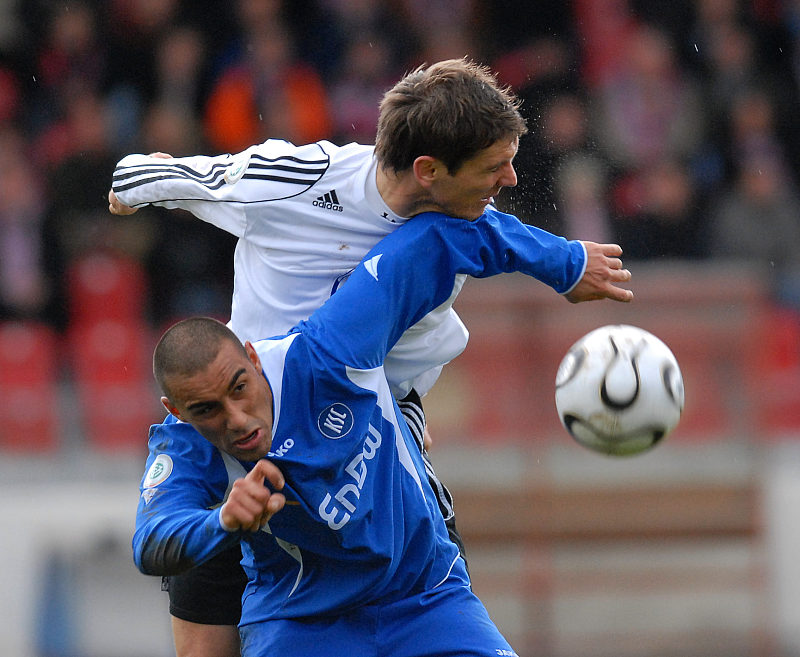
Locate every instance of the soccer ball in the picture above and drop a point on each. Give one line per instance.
(619, 390)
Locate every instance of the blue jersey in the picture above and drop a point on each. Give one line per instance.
(361, 523)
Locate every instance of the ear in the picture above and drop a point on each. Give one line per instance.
(427, 169)
(252, 355)
(171, 408)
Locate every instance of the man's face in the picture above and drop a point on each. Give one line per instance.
(467, 193)
(229, 403)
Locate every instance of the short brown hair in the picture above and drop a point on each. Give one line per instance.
(449, 110)
(189, 347)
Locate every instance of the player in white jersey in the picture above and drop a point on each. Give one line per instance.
(352, 556)
(305, 215)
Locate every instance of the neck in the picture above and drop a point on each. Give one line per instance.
(402, 193)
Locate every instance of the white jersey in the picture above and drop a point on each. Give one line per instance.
(305, 216)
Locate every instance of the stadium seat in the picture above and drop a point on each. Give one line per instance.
(117, 415)
(109, 344)
(110, 351)
(773, 380)
(110, 364)
(29, 387)
(106, 286)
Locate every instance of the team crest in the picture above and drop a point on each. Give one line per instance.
(335, 421)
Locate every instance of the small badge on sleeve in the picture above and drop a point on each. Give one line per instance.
(160, 469)
(236, 169)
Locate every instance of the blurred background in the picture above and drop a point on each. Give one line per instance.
(669, 127)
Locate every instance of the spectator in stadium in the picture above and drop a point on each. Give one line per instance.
(648, 110)
(358, 559)
(24, 286)
(440, 164)
(755, 221)
(266, 93)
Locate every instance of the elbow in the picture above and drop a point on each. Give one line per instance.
(160, 556)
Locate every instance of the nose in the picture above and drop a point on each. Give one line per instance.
(237, 417)
(508, 176)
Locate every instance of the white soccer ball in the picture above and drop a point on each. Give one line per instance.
(619, 390)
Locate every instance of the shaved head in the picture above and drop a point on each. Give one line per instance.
(188, 347)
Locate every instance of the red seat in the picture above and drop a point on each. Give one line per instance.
(110, 351)
(774, 379)
(111, 365)
(106, 286)
(118, 415)
(28, 387)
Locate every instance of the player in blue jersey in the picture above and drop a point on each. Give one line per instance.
(305, 216)
(357, 560)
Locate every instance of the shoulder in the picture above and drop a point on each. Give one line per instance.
(179, 454)
(178, 438)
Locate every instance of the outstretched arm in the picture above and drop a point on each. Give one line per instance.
(115, 206)
(412, 270)
(602, 274)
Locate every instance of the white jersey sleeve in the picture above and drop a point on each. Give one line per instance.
(218, 189)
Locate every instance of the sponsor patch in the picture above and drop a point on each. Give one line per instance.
(160, 469)
(335, 421)
(236, 169)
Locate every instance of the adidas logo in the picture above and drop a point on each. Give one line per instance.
(328, 201)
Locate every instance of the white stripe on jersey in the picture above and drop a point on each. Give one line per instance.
(374, 380)
(235, 471)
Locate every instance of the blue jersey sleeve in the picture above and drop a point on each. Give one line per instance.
(412, 271)
(177, 519)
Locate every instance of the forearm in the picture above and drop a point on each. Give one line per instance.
(196, 184)
(412, 271)
(171, 543)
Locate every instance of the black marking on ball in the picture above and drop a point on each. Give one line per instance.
(578, 355)
(670, 375)
(611, 441)
(615, 404)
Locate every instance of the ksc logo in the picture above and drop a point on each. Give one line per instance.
(335, 421)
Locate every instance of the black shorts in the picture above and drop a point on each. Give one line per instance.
(211, 593)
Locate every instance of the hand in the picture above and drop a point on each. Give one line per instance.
(603, 271)
(427, 439)
(115, 206)
(251, 504)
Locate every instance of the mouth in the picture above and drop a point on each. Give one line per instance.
(489, 199)
(249, 442)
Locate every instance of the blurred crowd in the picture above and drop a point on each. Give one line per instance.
(666, 126)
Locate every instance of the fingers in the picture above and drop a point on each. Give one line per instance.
(268, 470)
(113, 202)
(611, 249)
(160, 155)
(115, 206)
(427, 440)
(251, 504)
(620, 294)
(604, 272)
